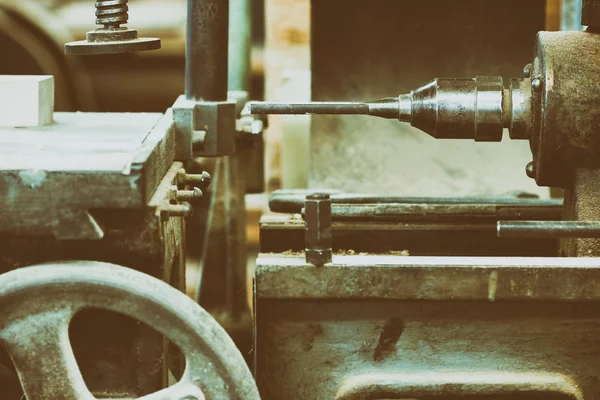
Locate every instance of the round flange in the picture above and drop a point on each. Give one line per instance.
(83, 47)
(112, 41)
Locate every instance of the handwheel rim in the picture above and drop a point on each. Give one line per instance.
(43, 299)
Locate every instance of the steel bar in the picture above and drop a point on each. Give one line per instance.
(549, 229)
(207, 50)
(292, 201)
(385, 108)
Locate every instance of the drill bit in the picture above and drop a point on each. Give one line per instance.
(390, 107)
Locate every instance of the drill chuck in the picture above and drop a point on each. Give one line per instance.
(460, 108)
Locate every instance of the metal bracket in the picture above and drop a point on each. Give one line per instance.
(204, 129)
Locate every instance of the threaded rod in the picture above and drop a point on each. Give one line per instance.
(112, 13)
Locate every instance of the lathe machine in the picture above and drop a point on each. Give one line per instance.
(356, 296)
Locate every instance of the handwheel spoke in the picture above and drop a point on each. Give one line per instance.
(40, 349)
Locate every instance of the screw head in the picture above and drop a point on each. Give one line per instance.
(527, 71)
(530, 170)
(536, 84)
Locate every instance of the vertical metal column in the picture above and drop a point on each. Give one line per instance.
(206, 50)
(240, 31)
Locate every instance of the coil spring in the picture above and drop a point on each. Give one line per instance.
(112, 13)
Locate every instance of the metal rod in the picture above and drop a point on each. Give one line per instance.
(207, 50)
(392, 108)
(240, 31)
(292, 201)
(548, 229)
(310, 108)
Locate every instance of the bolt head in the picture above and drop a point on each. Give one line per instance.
(527, 71)
(530, 170)
(536, 84)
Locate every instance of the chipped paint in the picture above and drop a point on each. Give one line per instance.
(33, 178)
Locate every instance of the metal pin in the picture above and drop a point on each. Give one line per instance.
(548, 229)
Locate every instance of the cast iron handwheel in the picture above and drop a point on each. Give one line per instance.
(38, 303)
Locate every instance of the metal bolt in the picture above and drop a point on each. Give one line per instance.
(530, 170)
(184, 195)
(203, 180)
(536, 84)
(176, 210)
(527, 70)
(318, 235)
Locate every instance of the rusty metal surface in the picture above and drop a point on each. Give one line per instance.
(323, 348)
(403, 327)
(565, 125)
(51, 177)
(129, 361)
(39, 302)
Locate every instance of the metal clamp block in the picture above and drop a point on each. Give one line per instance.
(204, 129)
(318, 234)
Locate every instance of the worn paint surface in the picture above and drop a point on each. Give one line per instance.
(409, 327)
(50, 177)
(410, 339)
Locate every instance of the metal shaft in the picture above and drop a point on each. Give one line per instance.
(385, 108)
(548, 229)
(207, 50)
